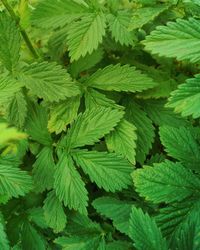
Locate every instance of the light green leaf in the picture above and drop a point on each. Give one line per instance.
(144, 15)
(92, 125)
(95, 98)
(43, 170)
(54, 213)
(186, 99)
(118, 25)
(180, 39)
(68, 185)
(86, 242)
(166, 182)
(36, 124)
(8, 87)
(8, 135)
(10, 41)
(180, 143)
(85, 35)
(145, 130)
(63, 113)
(17, 110)
(48, 81)
(123, 140)
(107, 170)
(13, 181)
(120, 78)
(116, 210)
(55, 13)
(145, 232)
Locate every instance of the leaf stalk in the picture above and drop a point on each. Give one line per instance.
(23, 32)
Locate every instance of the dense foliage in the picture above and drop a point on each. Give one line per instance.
(99, 124)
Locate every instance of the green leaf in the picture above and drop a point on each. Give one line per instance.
(54, 213)
(95, 98)
(166, 182)
(36, 215)
(141, 16)
(145, 130)
(31, 239)
(68, 185)
(17, 110)
(120, 78)
(145, 232)
(107, 170)
(171, 218)
(86, 62)
(8, 135)
(10, 42)
(92, 125)
(123, 140)
(80, 224)
(86, 242)
(85, 35)
(185, 99)
(63, 113)
(116, 210)
(173, 40)
(118, 245)
(43, 170)
(48, 81)
(13, 181)
(8, 87)
(4, 244)
(180, 143)
(166, 84)
(161, 115)
(188, 237)
(54, 13)
(36, 124)
(118, 25)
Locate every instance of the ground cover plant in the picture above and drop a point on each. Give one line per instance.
(99, 124)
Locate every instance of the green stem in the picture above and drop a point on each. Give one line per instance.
(23, 32)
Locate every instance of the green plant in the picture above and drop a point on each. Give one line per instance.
(107, 96)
